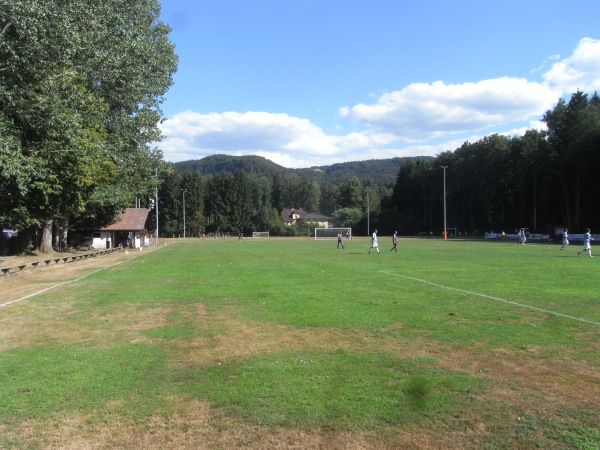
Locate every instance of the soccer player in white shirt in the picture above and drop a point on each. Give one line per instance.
(587, 247)
(374, 242)
(340, 240)
(565, 239)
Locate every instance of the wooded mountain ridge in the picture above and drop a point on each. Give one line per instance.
(374, 171)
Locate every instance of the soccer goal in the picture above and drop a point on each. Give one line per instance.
(260, 234)
(332, 233)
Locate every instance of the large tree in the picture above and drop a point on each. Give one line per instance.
(81, 83)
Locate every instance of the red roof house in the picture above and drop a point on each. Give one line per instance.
(126, 231)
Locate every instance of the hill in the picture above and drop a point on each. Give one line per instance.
(376, 171)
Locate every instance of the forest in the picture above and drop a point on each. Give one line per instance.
(537, 180)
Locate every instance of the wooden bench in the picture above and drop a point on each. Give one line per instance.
(7, 269)
(45, 261)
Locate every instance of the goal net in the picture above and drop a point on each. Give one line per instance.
(332, 233)
(260, 234)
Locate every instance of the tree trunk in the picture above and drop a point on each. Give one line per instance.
(56, 237)
(46, 241)
(63, 235)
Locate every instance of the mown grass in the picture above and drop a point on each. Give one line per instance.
(335, 390)
(298, 334)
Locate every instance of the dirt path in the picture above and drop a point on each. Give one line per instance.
(32, 279)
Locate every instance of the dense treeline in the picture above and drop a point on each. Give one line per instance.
(250, 164)
(374, 171)
(81, 83)
(540, 179)
(234, 202)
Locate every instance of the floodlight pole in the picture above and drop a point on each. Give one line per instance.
(445, 232)
(368, 216)
(183, 191)
(156, 207)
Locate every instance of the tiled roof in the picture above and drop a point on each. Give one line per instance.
(288, 214)
(313, 216)
(132, 219)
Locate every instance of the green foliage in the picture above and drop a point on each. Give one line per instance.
(80, 89)
(376, 171)
(348, 217)
(252, 165)
(351, 193)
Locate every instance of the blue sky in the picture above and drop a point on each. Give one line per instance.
(316, 82)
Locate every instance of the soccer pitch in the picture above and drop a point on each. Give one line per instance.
(293, 343)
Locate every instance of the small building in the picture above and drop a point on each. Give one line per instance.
(126, 231)
(318, 220)
(292, 216)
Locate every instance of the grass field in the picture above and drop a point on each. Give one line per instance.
(292, 343)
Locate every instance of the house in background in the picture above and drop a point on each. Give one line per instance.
(319, 220)
(292, 216)
(131, 222)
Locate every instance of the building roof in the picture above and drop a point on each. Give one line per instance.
(132, 219)
(287, 215)
(317, 217)
(292, 215)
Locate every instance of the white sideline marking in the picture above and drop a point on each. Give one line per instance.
(77, 279)
(522, 305)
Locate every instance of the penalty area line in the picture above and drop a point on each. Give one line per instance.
(497, 299)
(76, 279)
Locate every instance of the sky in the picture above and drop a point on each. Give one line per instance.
(315, 82)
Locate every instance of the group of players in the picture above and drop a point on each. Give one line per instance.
(587, 238)
(587, 246)
(374, 243)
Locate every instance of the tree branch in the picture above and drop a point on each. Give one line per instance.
(6, 27)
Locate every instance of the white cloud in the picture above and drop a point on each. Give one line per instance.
(581, 71)
(289, 141)
(423, 111)
(420, 119)
(250, 131)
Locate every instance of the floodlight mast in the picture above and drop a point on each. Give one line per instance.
(184, 191)
(445, 232)
(368, 215)
(156, 206)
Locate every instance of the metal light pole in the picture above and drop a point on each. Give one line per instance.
(156, 207)
(183, 191)
(368, 216)
(445, 232)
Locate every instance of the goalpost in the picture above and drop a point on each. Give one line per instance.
(332, 233)
(260, 234)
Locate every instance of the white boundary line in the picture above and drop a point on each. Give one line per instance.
(522, 305)
(77, 279)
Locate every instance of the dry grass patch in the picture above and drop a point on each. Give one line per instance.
(97, 329)
(221, 336)
(33, 279)
(195, 425)
(558, 385)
